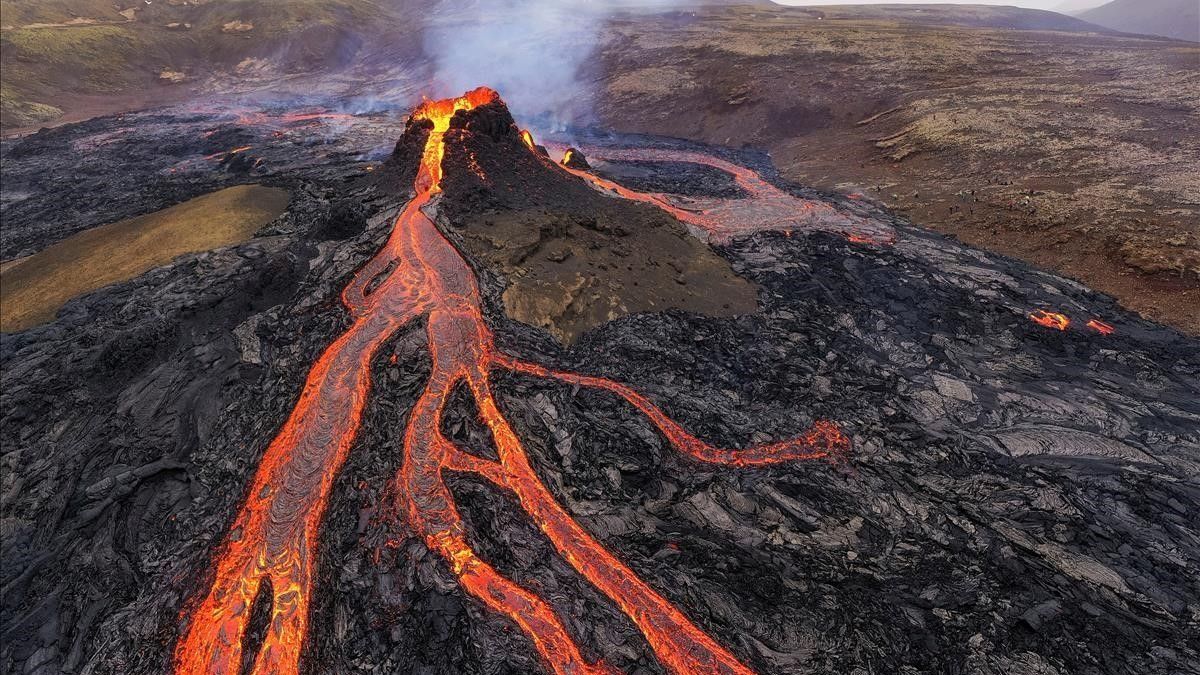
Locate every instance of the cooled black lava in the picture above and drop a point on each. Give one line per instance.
(1020, 498)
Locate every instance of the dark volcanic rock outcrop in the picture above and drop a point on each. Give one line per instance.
(1019, 499)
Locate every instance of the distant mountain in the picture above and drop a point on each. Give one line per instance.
(1169, 18)
(1075, 7)
(972, 16)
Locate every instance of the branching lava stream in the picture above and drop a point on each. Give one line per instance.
(275, 532)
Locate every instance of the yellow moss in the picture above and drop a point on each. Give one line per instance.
(33, 289)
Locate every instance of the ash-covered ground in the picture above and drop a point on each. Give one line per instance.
(1018, 500)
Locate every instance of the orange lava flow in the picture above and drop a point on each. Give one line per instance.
(1101, 327)
(766, 207)
(1050, 319)
(419, 272)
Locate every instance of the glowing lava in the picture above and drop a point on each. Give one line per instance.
(765, 206)
(1101, 327)
(273, 538)
(1050, 319)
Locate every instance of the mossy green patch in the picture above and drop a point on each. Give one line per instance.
(24, 12)
(94, 58)
(33, 289)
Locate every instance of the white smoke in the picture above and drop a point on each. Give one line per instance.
(531, 51)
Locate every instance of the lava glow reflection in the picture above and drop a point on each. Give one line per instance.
(274, 535)
(1053, 320)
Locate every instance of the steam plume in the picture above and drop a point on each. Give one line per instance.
(531, 51)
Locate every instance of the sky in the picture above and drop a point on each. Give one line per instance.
(1036, 4)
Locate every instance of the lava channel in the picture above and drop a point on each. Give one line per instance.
(765, 207)
(271, 545)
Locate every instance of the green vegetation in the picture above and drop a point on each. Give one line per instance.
(53, 51)
(39, 63)
(100, 56)
(25, 12)
(15, 111)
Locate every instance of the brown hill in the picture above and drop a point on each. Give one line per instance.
(1169, 18)
(974, 16)
(1076, 151)
(81, 57)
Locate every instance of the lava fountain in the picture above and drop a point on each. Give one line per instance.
(271, 546)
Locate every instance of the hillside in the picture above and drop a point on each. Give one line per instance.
(71, 59)
(1074, 150)
(1075, 7)
(77, 57)
(974, 16)
(1169, 18)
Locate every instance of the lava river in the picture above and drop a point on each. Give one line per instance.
(271, 546)
(764, 207)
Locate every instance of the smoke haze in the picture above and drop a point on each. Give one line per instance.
(531, 51)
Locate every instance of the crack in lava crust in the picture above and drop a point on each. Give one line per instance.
(275, 533)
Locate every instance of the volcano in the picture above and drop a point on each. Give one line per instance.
(418, 272)
(582, 405)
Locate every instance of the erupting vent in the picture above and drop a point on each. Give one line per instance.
(419, 273)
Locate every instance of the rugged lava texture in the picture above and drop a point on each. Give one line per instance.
(574, 258)
(1019, 498)
(1075, 151)
(1024, 132)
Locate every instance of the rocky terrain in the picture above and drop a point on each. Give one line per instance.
(74, 59)
(1074, 151)
(1029, 133)
(1017, 498)
(37, 286)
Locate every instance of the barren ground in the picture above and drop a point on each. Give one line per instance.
(1077, 152)
(1072, 150)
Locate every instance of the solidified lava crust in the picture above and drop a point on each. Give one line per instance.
(273, 540)
(1020, 497)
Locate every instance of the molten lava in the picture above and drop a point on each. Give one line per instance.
(429, 176)
(274, 535)
(1050, 319)
(1101, 327)
(765, 206)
